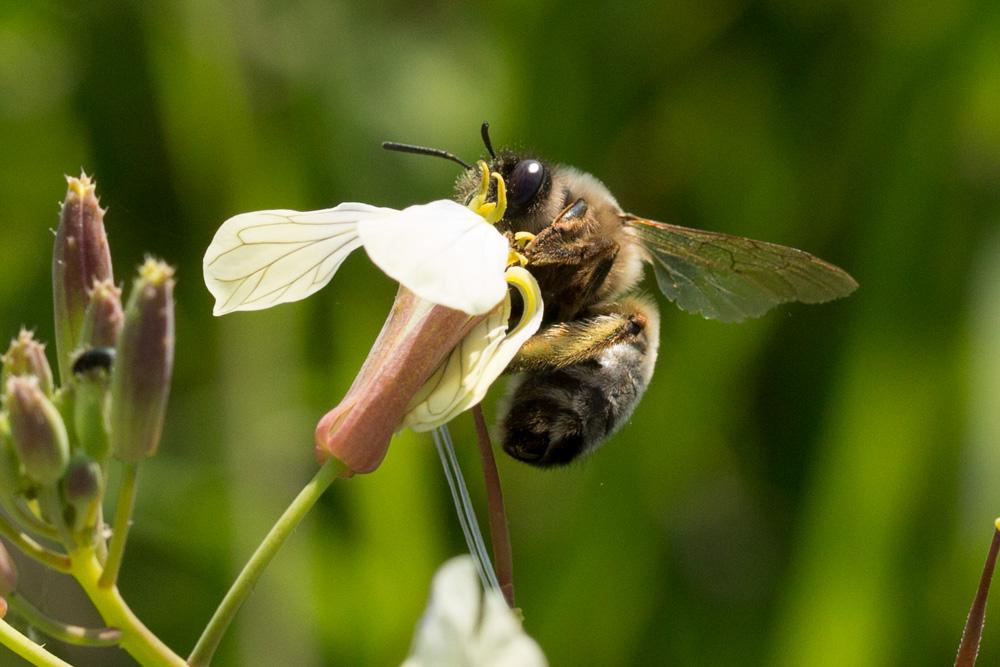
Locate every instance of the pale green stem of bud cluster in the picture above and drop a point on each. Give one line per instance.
(8, 573)
(12, 481)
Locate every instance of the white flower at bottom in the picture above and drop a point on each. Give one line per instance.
(465, 626)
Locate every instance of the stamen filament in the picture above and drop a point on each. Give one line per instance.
(524, 283)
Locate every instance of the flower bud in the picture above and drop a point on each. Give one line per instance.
(12, 482)
(102, 321)
(140, 382)
(91, 410)
(26, 356)
(417, 336)
(37, 430)
(8, 573)
(82, 488)
(80, 257)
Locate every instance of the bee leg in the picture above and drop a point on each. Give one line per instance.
(581, 386)
(567, 343)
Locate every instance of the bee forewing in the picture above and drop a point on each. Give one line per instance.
(730, 278)
(260, 259)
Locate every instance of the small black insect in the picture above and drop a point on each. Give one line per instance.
(94, 358)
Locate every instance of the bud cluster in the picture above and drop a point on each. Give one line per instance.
(114, 362)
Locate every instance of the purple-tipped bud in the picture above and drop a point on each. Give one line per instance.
(80, 258)
(37, 430)
(140, 381)
(102, 321)
(26, 356)
(82, 482)
(8, 573)
(83, 488)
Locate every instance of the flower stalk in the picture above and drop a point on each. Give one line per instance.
(64, 632)
(968, 649)
(503, 559)
(207, 644)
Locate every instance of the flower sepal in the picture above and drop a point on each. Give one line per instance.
(415, 339)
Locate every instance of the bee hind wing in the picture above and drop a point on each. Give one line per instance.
(730, 278)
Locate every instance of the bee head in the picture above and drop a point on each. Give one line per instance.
(528, 179)
(537, 192)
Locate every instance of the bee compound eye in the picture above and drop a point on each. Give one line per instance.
(525, 181)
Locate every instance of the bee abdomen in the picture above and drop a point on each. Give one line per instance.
(553, 417)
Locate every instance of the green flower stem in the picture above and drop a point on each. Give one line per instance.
(136, 639)
(26, 648)
(20, 511)
(71, 634)
(122, 521)
(48, 498)
(241, 588)
(55, 561)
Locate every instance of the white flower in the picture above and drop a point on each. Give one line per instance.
(465, 626)
(462, 381)
(442, 251)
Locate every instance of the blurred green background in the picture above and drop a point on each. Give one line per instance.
(813, 488)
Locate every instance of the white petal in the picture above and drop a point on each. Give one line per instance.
(441, 251)
(465, 376)
(468, 627)
(264, 258)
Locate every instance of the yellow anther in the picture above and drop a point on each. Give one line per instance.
(491, 211)
(479, 199)
(514, 257)
(523, 238)
(484, 180)
(496, 215)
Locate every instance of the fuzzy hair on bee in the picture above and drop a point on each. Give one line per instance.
(577, 383)
(578, 379)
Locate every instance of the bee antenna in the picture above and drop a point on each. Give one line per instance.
(423, 150)
(485, 130)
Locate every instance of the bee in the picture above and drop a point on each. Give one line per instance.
(577, 381)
